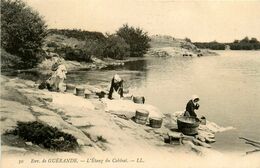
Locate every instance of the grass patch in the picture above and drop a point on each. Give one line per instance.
(46, 136)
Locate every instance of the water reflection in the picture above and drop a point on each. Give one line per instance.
(134, 74)
(33, 75)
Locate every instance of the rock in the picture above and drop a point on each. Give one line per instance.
(213, 127)
(3, 79)
(38, 111)
(176, 114)
(96, 132)
(27, 96)
(148, 129)
(159, 131)
(209, 140)
(200, 138)
(29, 83)
(197, 142)
(158, 52)
(193, 147)
(206, 134)
(29, 143)
(93, 89)
(79, 122)
(92, 137)
(47, 98)
(12, 112)
(71, 101)
(12, 149)
(80, 142)
(96, 60)
(128, 108)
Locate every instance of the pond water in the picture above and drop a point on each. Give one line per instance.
(228, 86)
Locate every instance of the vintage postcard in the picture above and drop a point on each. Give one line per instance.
(130, 83)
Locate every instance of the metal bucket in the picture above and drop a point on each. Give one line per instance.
(188, 125)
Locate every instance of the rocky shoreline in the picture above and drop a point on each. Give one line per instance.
(98, 129)
(86, 119)
(179, 52)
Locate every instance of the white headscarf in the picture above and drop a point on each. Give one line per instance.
(117, 78)
(194, 97)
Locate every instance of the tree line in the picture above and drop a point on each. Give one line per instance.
(244, 44)
(23, 32)
(127, 41)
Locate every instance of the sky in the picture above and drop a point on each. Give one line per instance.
(222, 20)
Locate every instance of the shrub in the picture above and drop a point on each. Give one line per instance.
(210, 45)
(52, 44)
(187, 40)
(116, 47)
(74, 54)
(8, 60)
(94, 48)
(136, 38)
(244, 44)
(47, 136)
(78, 34)
(22, 30)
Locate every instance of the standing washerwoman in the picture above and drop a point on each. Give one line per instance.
(54, 83)
(191, 106)
(116, 88)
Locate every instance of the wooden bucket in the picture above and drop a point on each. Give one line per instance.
(91, 96)
(175, 138)
(80, 91)
(141, 116)
(127, 98)
(203, 121)
(88, 94)
(70, 88)
(188, 125)
(138, 99)
(155, 122)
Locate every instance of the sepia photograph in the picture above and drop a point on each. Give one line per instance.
(130, 84)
